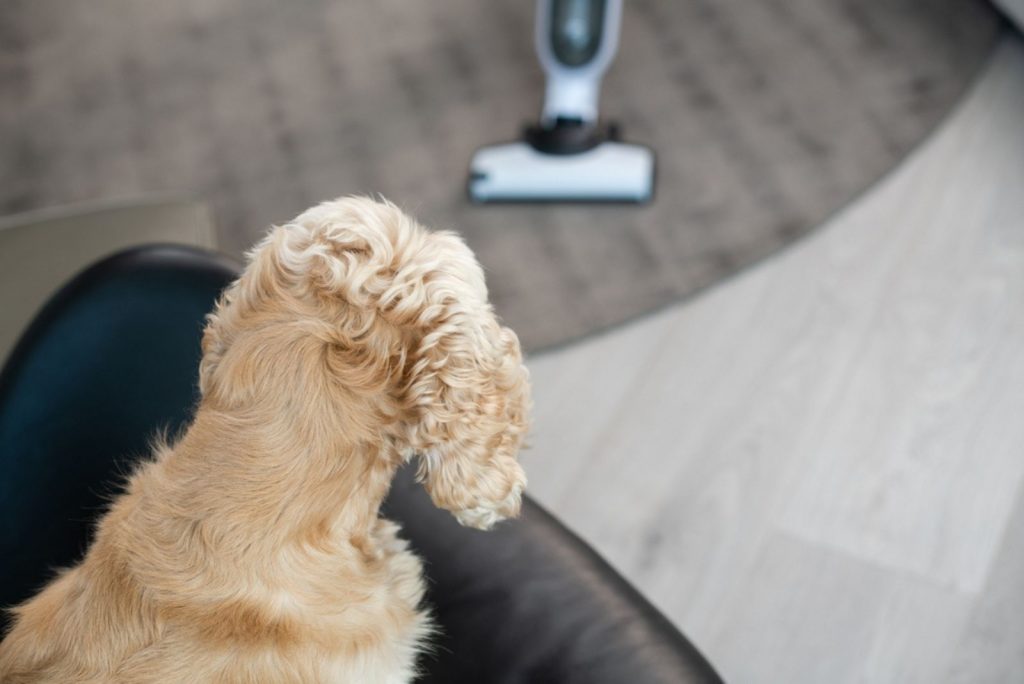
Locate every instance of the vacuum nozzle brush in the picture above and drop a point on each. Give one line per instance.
(518, 172)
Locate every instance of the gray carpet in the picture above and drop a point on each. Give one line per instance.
(766, 116)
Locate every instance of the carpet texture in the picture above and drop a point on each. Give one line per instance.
(765, 117)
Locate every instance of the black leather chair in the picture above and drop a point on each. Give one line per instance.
(112, 358)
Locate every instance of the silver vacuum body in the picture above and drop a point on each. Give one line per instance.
(568, 155)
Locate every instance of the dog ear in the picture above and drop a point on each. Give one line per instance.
(469, 391)
(417, 304)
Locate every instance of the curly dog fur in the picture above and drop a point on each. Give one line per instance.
(251, 549)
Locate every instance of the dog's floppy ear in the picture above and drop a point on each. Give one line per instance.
(468, 389)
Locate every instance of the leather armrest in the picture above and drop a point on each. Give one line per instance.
(530, 602)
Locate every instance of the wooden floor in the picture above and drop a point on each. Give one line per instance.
(815, 469)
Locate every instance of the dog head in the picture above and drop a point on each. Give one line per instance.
(385, 326)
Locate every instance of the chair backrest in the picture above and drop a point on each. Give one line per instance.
(41, 250)
(109, 362)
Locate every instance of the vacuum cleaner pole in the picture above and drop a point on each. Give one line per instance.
(576, 41)
(570, 99)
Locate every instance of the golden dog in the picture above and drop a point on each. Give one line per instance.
(251, 549)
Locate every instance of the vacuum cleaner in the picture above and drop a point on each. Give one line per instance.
(569, 155)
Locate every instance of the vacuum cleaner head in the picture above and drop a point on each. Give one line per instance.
(516, 172)
(569, 156)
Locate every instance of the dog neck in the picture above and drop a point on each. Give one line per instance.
(264, 481)
(312, 469)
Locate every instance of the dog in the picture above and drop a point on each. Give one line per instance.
(251, 549)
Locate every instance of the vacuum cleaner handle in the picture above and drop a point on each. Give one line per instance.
(576, 41)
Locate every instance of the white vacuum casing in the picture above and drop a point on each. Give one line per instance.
(612, 171)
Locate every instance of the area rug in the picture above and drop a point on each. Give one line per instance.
(766, 117)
